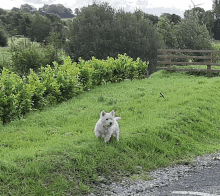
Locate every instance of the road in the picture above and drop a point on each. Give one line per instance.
(203, 180)
(199, 177)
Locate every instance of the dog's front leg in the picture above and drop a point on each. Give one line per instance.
(117, 137)
(98, 134)
(107, 138)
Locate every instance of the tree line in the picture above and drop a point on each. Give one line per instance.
(99, 30)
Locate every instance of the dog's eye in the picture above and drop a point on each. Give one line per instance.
(106, 118)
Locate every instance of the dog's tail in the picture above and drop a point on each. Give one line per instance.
(117, 118)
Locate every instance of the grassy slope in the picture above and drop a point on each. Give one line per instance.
(55, 152)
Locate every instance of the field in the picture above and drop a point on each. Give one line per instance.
(55, 151)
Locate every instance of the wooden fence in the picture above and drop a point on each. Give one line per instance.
(168, 56)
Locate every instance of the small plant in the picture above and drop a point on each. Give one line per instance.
(101, 98)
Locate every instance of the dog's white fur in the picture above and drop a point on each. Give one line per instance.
(107, 126)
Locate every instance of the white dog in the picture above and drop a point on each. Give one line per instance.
(107, 126)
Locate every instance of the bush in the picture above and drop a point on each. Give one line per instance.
(51, 85)
(116, 70)
(35, 88)
(14, 99)
(27, 55)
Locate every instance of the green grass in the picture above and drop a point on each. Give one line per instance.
(5, 57)
(55, 151)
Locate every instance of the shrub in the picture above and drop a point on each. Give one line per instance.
(51, 85)
(48, 78)
(27, 55)
(85, 73)
(35, 88)
(66, 77)
(14, 100)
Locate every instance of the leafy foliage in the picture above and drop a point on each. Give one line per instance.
(190, 34)
(216, 8)
(3, 35)
(100, 31)
(52, 85)
(39, 29)
(15, 101)
(173, 18)
(168, 32)
(27, 55)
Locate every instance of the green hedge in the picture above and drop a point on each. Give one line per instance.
(50, 85)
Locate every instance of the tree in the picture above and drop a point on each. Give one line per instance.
(216, 29)
(216, 8)
(153, 18)
(3, 35)
(12, 22)
(192, 35)
(209, 21)
(100, 31)
(57, 35)
(24, 24)
(77, 11)
(39, 29)
(135, 36)
(88, 33)
(167, 31)
(198, 11)
(173, 18)
(15, 9)
(204, 17)
(27, 8)
(2, 12)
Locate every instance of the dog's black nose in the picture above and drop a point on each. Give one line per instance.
(110, 123)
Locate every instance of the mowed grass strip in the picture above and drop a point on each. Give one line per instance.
(55, 151)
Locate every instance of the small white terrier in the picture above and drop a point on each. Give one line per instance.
(107, 126)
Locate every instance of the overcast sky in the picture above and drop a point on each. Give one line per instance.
(155, 7)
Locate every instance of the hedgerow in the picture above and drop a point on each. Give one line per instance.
(51, 85)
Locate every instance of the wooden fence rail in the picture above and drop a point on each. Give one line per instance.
(168, 56)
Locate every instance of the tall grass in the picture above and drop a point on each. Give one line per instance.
(55, 151)
(5, 58)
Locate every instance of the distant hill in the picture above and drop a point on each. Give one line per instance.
(58, 9)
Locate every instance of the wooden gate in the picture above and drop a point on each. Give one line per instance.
(168, 56)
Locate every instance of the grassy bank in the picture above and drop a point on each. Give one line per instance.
(55, 152)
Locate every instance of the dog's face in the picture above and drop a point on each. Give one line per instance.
(107, 119)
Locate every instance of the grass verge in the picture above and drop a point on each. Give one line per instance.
(55, 151)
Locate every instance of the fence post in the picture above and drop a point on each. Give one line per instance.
(169, 58)
(209, 66)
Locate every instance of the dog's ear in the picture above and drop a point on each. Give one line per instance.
(112, 113)
(102, 113)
